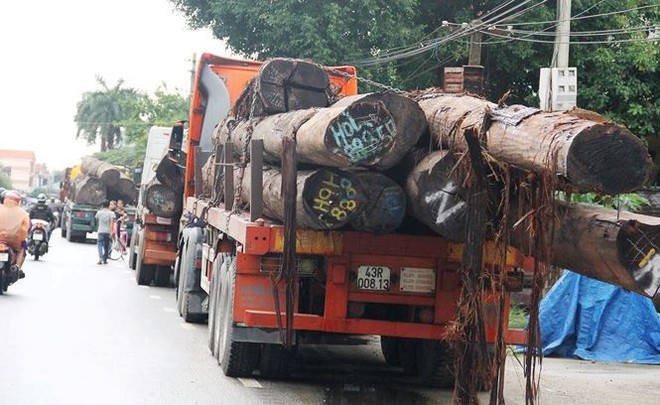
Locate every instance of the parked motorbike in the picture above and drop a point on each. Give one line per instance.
(9, 272)
(38, 238)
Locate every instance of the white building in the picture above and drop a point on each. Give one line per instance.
(19, 166)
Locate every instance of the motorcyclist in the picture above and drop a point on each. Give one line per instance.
(14, 224)
(2, 194)
(42, 211)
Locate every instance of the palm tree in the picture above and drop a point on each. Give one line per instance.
(100, 113)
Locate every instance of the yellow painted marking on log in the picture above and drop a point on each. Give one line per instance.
(646, 258)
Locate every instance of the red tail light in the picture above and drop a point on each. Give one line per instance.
(81, 214)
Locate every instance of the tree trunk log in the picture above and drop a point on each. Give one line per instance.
(124, 190)
(162, 200)
(108, 173)
(88, 190)
(170, 174)
(385, 209)
(433, 196)
(327, 198)
(595, 242)
(356, 131)
(582, 147)
(284, 85)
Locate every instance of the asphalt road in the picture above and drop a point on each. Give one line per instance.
(74, 332)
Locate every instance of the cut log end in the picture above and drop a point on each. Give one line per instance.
(163, 201)
(385, 208)
(362, 134)
(287, 84)
(590, 160)
(332, 198)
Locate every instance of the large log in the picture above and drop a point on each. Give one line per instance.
(385, 208)
(326, 199)
(161, 200)
(374, 130)
(88, 190)
(107, 172)
(619, 248)
(585, 149)
(433, 195)
(124, 190)
(284, 85)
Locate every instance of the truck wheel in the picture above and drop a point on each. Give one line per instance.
(275, 361)
(188, 299)
(435, 363)
(214, 311)
(237, 359)
(407, 355)
(390, 348)
(132, 255)
(162, 278)
(144, 273)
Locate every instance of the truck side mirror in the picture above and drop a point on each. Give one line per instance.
(137, 176)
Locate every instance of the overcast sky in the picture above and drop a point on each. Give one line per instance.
(51, 52)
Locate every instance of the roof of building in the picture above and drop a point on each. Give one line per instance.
(17, 154)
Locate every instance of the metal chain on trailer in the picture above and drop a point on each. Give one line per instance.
(367, 81)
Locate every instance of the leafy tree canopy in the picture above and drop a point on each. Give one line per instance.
(616, 78)
(164, 108)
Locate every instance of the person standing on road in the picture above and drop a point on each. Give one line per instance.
(105, 220)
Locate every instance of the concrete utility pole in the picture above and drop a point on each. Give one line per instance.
(475, 45)
(563, 34)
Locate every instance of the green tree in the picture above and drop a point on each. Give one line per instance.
(100, 113)
(617, 79)
(164, 108)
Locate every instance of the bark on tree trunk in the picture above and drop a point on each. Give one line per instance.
(595, 242)
(284, 85)
(124, 190)
(162, 200)
(579, 146)
(373, 130)
(327, 198)
(88, 190)
(108, 173)
(433, 196)
(385, 209)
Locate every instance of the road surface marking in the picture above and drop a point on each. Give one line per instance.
(128, 271)
(250, 383)
(168, 309)
(155, 297)
(186, 326)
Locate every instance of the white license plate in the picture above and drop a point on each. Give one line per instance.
(374, 278)
(4, 257)
(417, 280)
(38, 236)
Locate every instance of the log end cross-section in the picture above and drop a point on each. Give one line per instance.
(362, 134)
(607, 157)
(331, 198)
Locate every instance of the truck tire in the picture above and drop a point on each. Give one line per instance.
(67, 234)
(132, 254)
(189, 293)
(144, 273)
(390, 348)
(237, 359)
(214, 311)
(435, 363)
(275, 361)
(407, 355)
(162, 277)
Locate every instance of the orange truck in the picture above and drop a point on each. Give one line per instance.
(404, 288)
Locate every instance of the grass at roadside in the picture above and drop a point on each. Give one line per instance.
(517, 317)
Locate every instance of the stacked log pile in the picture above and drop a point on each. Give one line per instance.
(364, 162)
(100, 181)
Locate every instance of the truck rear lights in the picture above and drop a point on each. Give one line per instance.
(355, 310)
(426, 315)
(81, 214)
(305, 265)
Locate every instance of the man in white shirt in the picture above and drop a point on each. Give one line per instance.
(105, 220)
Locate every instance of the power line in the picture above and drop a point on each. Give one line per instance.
(466, 30)
(540, 41)
(588, 16)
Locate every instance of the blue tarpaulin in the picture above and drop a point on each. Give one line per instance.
(585, 318)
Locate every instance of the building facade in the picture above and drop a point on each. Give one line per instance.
(19, 165)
